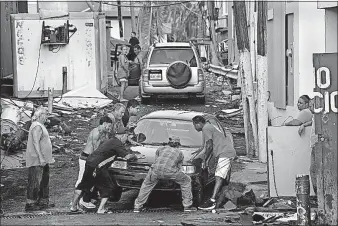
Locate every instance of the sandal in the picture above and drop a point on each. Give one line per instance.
(106, 211)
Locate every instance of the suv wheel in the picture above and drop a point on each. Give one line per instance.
(198, 191)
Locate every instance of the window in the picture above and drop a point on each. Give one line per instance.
(159, 131)
(170, 55)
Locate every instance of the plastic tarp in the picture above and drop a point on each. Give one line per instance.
(82, 98)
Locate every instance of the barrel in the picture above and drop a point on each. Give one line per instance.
(303, 200)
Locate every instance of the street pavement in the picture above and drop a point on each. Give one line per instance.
(62, 188)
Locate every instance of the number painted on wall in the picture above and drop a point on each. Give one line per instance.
(323, 81)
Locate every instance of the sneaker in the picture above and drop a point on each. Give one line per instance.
(208, 205)
(190, 209)
(137, 210)
(87, 205)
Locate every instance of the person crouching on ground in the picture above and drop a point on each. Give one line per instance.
(38, 158)
(95, 138)
(96, 172)
(130, 114)
(222, 148)
(167, 166)
(119, 129)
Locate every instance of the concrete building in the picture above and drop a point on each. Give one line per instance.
(296, 30)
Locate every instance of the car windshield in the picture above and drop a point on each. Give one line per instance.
(158, 131)
(170, 55)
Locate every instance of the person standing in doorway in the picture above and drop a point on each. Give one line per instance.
(167, 166)
(133, 41)
(123, 72)
(223, 150)
(38, 158)
(314, 167)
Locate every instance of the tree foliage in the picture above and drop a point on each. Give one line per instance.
(182, 17)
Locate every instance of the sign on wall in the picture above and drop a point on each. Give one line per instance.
(326, 119)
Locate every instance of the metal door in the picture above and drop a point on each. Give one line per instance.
(289, 61)
(326, 119)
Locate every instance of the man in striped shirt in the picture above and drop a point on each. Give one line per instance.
(98, 163)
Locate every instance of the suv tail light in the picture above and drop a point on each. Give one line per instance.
(200, 75)
(145, 75)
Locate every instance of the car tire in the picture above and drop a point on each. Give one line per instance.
(117, 195)
(179, 74)
(198, 192)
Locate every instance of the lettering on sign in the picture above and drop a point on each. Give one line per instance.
(323, 81)
(89, 47)
(19, 43)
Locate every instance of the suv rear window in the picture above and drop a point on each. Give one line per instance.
(169, 55)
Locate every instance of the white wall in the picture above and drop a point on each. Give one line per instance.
(309, 38)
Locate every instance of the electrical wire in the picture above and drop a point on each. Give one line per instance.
(135, 6)
(36, 74)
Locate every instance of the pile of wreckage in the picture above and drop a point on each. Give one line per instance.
(16, 120)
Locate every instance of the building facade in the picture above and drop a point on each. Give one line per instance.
(295, 30)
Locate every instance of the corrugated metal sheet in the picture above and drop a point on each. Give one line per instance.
(7, 8)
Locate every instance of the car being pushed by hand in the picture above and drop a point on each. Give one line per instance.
(154, 130)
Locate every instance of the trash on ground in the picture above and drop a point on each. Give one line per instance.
(229, 206)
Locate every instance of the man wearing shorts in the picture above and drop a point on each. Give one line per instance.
(222, 149)
(96, 172)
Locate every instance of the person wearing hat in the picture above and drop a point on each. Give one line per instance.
(167, 166)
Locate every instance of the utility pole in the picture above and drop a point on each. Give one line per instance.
(246, 79)
(262, 79)
(132, 15)
(119, 15)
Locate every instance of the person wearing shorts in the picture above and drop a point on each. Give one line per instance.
(95, 138)
(223, 150)
(96, 172)
(123, 71)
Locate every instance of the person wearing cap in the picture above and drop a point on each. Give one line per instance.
(167, 166)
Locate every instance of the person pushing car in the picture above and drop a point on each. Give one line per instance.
(223, 150)
(167, 166)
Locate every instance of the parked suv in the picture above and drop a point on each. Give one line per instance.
(172, 69)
